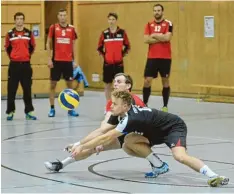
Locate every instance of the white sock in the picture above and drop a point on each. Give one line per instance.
(77, 143)
(67, 161)
(205, 170)
(154, 159)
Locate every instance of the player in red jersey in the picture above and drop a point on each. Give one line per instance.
(113, 45)
(62, 36)
(122, 82)
(158, 34)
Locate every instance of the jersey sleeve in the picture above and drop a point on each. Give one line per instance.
(124, 126)
(51, 31)
(147, 29)
(74, 37)
(138, 101)
(7, 45)
(108, 106)
(101, 45)
(113, 120)
(170, 27)
(32, 44)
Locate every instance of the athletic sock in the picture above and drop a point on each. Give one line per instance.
(67, 161)
(52, 106)
(205, 170)
(154, 159)
(146, 94)
(165, 94)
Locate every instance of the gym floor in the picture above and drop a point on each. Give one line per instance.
(26, 145)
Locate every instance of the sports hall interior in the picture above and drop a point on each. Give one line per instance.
(202, 88)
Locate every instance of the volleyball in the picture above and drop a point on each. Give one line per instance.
(69, 99)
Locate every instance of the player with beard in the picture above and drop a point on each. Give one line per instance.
(158, 34)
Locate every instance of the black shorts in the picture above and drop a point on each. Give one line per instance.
(176, 137)
(110, 70)
(62, 69)
(121, 140)
(153, 66)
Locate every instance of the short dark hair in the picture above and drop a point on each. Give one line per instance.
(159, 5)
(62, 10)
(128, 79)
(19, 14)
(115, 15)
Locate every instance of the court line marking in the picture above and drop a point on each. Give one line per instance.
(91, 169)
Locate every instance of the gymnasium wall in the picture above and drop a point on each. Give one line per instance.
(34, 14)
(195, 59)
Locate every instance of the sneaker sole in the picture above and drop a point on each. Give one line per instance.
(157, 174)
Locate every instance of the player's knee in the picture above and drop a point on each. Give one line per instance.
(147, 82)
(165, 82)
(179, 157)
(53, 85)
(127, 149)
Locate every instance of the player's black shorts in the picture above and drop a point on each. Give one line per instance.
(153, 66)
(110, 70)
(62, 69)
(175, 137)
(121, 140)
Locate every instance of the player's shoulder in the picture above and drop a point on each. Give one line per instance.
(168, 22)
(71, 26)
(151, 23)
(105, 31)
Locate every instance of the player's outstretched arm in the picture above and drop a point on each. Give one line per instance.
(100, 140)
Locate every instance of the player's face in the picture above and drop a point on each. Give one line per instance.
(158, 13)
(19, 20)
(112, 21)
(62, 17)
(118, 108)
(120, 83)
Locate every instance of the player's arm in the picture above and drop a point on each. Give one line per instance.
(150, 40)
(48, 45)
(74, 49)
(164, 37)
(100, 48)
(104, 128)
(100, 140)
(7, 45)
(32, 44)
(147, 37)
(126, 44)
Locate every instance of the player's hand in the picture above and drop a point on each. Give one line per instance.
(76, 151)
(99, 149)
(68, 148)
(50, 63)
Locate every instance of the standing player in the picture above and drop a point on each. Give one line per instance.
(122, 82)
(19, 45)
(62, 36)
(113, 46)
(158, 34)
(157, 127)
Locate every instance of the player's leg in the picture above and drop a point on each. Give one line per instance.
(58, 165)
(176, 140)
(55, 75)
(139, 146)
(12, 86)
(164, 70)
(67, 72)
(26, 83)
(149, 74)
(108, 76)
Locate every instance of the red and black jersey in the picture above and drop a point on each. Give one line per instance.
(135, 101)
(160, 50)
(113, 46)
(20, 45)
(62, 38)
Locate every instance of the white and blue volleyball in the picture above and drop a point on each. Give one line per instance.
(69, 99)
